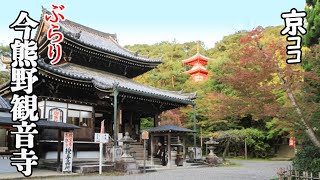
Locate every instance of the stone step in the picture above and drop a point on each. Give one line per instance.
(92, 168)
(285, 152)
(79, 167)
(137, 149)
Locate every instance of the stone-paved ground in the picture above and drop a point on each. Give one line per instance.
(248, 170)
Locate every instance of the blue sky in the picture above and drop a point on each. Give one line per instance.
(148, 22)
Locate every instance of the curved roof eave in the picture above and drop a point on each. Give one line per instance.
(94, 38)
(136, 88)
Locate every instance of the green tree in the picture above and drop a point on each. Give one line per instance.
(313, 18)
(4, 77)
(5, 50)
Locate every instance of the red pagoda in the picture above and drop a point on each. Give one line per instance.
(198, 72)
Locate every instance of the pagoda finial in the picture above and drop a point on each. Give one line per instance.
(198, 47)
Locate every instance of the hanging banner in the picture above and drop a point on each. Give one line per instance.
(67, 152)
(291, 142)
(56, 115)
(102, 127)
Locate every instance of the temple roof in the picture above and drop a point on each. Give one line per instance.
(170, 128)
(6, 120)
(99, 40)
(4, 104)
(107, 81)
(95, 39)
(196, 57)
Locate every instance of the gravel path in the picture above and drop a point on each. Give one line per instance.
(248, 170)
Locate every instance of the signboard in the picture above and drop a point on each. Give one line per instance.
(56, 115)
(145, 135)
(196, 151)
(291, 141)
(113, 154)
(67, 152)
(104, 138)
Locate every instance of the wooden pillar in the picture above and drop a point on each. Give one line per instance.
(169, 149)
(59, 149)
(194, 126)
(115, 110)
(134, 125)
(245, 149)
(93, 123)
(120, 124)
(139, 129)
(109, 124)
(184, 147)
(131, 123)
(152, 148)
(156, 120)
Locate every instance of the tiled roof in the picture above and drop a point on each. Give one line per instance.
(6, 120)
(4, 104)
(197, 56)
(170, 128)
(106, 81)
(103, 41)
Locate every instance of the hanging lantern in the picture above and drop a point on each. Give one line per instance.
(291, 142)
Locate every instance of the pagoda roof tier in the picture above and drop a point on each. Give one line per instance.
(105, 81)
(196, 58)
(197, 69)
(97, 42)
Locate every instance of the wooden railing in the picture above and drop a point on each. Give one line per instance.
(291, 174)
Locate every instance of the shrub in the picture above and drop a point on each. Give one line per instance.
(307, 159)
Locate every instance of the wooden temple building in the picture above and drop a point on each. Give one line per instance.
(93, 82)
(198, 72)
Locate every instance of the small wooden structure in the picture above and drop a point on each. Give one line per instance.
(6, 123)
(168, 131)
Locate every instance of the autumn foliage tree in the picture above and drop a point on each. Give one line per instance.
(260, 77)
(173, 117)
(249, 82)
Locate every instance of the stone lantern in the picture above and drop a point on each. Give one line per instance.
(212, 159)
(127, 163)
(126, 140)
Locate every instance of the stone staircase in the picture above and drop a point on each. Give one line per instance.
(137, 150)
(285, 153)
(78, 166)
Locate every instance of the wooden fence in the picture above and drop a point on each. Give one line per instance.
(290, 174)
